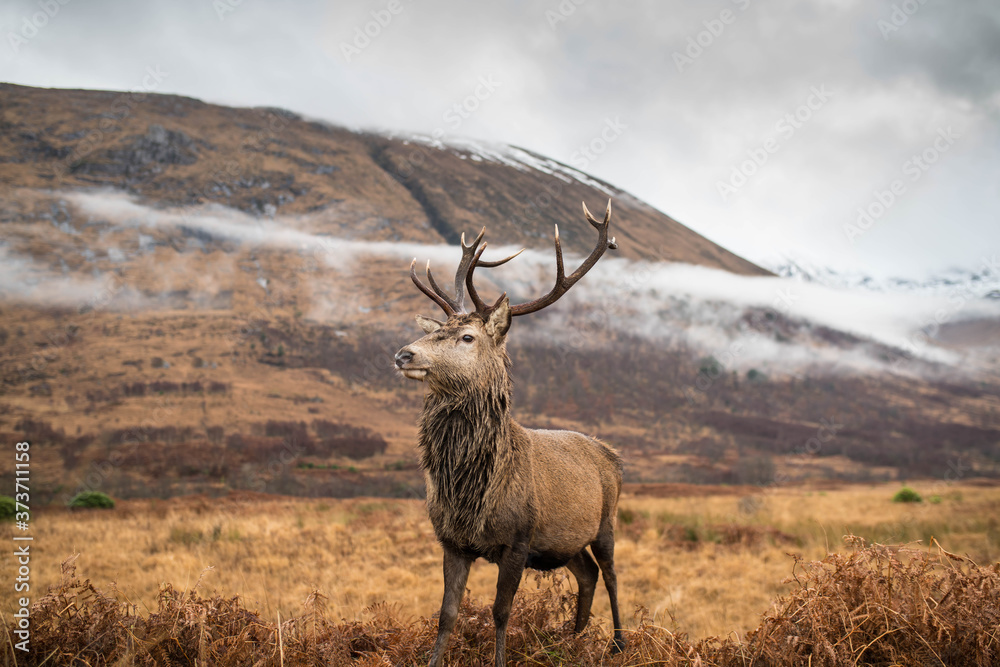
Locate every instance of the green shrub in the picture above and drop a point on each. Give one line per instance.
(907, 495)
(626, 516)
(7, 508)
(92, 499)
(709, 367)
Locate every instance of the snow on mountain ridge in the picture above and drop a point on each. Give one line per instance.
(516, 157)
(982, 282)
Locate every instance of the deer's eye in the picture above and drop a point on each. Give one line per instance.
(467, 338)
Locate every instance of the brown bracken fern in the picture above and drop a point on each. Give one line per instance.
(875, 605)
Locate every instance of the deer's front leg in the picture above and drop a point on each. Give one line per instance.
(456, 574)
(512, 565)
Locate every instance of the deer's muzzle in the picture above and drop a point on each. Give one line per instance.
(404, 362)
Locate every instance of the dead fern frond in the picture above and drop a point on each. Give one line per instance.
(873, 605)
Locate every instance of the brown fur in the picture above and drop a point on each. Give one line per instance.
(517, 497)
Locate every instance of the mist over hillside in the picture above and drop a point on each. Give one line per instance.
(778, 324)
(206, 299)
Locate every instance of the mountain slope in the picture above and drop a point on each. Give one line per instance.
(201, 298)
(179, 151)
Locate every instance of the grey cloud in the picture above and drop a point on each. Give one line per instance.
(954, 45)
(561, 79)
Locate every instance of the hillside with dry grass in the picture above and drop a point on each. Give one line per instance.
(179, 151)
(172, 402)
(201, 299)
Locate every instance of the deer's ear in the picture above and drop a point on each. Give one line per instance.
(428, 325)
(499, 321)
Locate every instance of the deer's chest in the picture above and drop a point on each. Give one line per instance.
(480, 519)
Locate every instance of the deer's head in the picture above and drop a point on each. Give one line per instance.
(468, 347)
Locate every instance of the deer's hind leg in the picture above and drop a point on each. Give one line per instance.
(604, 551)
(585, 570)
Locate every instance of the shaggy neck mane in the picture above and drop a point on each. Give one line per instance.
(466, 446)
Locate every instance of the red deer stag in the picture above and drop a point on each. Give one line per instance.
(514, 496)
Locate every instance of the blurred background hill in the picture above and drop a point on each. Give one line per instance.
(198, 298)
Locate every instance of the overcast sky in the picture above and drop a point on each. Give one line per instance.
(763, 124)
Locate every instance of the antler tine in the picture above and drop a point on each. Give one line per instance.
(456, 305)
(463, 269)
(471, 259)
(435, 295)
(560, 268)
(452, 303)
(477, 262)
(592, 220)
(563, 283)
(473, 294)
(612, 244)
(499, 262)
(479, 237)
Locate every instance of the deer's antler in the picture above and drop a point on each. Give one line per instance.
(562, 282)
(470, 256)
(471, 259)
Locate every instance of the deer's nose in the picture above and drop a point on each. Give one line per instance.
(403, 357)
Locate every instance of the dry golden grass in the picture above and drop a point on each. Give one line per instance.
(703, 566)
(874, 605)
